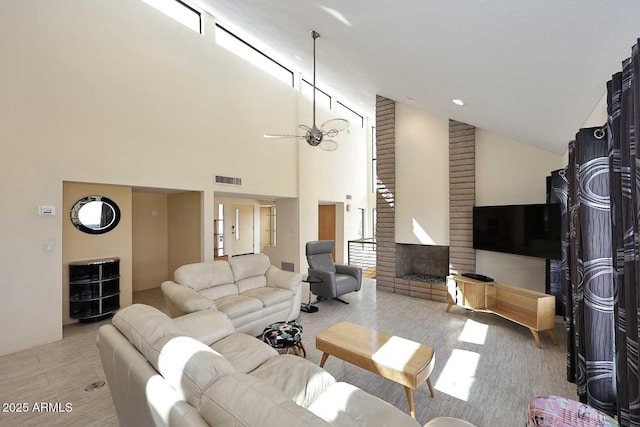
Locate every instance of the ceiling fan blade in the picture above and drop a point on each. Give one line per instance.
(271, 136)
(328, 145)
(335, 124)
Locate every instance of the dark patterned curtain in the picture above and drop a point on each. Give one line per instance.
(591, 349)
(623, 96)
(556, 278)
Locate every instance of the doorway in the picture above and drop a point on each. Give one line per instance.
(327, 224)
(242, 230)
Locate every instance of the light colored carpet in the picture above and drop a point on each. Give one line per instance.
(486, 380)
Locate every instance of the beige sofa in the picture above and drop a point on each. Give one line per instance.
(195, 370)
(247, 288)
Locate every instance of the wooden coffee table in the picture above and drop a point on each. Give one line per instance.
(397, 359)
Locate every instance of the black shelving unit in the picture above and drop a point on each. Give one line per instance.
(94, 289)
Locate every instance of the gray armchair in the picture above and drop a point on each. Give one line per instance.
(336, 279)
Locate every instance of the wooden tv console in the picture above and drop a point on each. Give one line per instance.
(531, 309)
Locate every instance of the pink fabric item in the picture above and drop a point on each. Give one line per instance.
(555, 411)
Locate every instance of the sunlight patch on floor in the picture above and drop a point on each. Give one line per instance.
(458, 375)
(474, 332)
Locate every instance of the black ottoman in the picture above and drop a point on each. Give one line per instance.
(285, 335)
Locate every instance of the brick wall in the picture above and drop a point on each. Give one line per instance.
(462, 195)
(385, 193)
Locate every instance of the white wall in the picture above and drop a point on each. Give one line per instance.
(422, 177)
(329, 176)
(510, 172)
(115, 92)
(507, 172)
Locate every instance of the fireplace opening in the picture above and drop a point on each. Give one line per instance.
(424, 263)
(421, 271)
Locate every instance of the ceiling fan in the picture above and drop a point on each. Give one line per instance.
(313, 135)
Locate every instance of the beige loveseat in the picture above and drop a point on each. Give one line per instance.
(247, 288)
(194, 370)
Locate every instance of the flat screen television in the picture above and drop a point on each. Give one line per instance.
(531, 230)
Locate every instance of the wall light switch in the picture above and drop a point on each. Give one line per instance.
(47, 210)
(48, 246)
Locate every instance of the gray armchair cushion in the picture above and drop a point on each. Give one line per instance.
(319, 255)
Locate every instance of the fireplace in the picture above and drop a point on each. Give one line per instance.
(421, 270)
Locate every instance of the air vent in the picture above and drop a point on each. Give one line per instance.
(288, 266)
(228, 180)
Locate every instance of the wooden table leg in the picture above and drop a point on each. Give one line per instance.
(536, 337)
(552, 336)
(433, 394)
(325, 356)
(412, 406)
(451, 302)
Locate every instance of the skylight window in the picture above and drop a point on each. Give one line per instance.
(322, 98)
(350, 115)
(179, 11)
(233, 43)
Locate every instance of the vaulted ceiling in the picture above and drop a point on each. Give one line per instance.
(532, 70)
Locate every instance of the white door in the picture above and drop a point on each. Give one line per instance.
(242, 229)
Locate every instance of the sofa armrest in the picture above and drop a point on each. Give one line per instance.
(207, 326)
(448, 422)
(277, 278)
(182, 300)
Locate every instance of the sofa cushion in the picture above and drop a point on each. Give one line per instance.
(189, 366)
(299, 379)
(242, 400)
(220, 291)
(249, 265)
(203, 275)
(344, 405)
(252, 282)
(269, 296)
(143, 326)
(237, 305)
(244, 352)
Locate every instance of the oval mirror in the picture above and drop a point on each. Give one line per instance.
(95, 214)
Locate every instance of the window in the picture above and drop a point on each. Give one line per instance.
(237, 226)
(374, 163)
(218, 231)
(235, 44)
(374, 221)
(350, 115)
(179, 11)
(273, 226)
(361, 226)
(322, 98)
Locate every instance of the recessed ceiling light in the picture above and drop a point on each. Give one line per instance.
(458, 101)
(298, 58)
